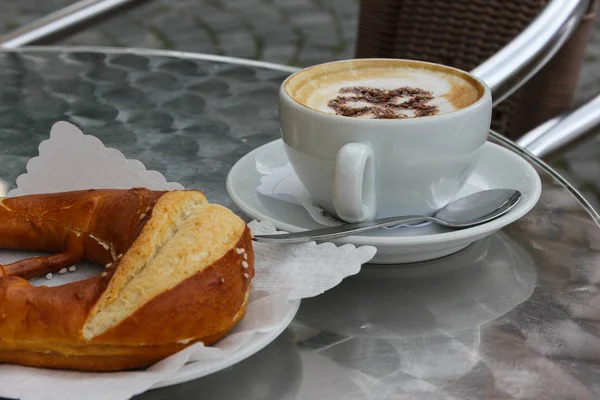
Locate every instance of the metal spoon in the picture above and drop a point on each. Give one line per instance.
(471, 210)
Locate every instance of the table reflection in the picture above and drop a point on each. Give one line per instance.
(455, 293)
(409, 330)
(273, 373)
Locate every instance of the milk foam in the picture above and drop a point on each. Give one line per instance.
(442, 86)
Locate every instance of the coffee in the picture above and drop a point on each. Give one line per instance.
(384, 89)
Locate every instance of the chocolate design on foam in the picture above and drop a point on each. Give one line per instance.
(384, 102)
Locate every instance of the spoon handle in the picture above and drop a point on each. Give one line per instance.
(339, 231)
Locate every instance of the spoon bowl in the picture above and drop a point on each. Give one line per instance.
(474, 209)
(477, 208)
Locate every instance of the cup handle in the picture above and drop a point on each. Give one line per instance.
(353, 186)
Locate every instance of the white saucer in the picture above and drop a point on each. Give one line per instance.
(497, 168)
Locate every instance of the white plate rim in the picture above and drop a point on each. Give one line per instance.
(463, 234)
(258, 342)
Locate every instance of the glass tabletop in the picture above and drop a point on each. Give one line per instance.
(513, 316)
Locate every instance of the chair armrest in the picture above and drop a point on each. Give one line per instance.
(524, 56)
(61, 20)
(554, 135)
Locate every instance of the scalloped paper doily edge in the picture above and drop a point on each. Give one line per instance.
(63, 130)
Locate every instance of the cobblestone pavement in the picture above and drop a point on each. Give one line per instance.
(294, 32)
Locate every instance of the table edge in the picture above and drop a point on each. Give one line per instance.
(543, 165)
(153, 52)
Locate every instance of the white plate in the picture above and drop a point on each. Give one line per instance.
(497, 168)
(199, 369)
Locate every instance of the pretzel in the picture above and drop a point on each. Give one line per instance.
(177, 272)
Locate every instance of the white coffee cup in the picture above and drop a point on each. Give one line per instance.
(359, 169)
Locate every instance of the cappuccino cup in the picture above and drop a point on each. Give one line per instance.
(383, 137)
